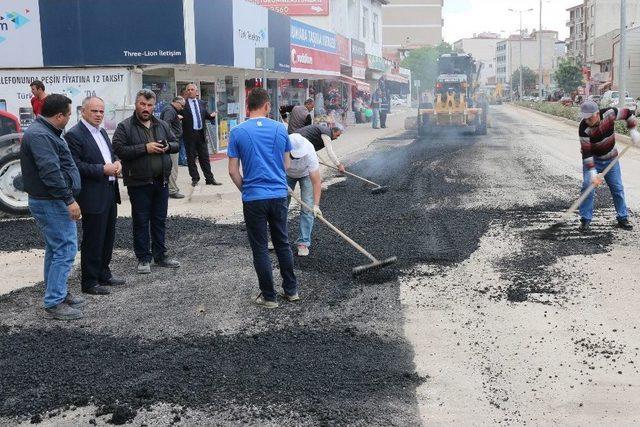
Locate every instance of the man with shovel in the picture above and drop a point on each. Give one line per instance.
(305, 169)
(321, 137)
(597, 142)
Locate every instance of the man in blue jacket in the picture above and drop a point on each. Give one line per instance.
(52, 180)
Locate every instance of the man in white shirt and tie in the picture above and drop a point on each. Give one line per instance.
(93, 154)
(193, 127)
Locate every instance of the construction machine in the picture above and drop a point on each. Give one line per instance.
(457, 101)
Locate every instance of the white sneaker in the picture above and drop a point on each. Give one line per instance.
(303, 250)
(264, 303)
(270, 245)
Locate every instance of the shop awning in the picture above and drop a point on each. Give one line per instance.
(396, 78)
(359, 84)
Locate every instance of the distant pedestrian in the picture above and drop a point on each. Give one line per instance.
(144, 144)
(305, 169)
(301, 116)
(262, 146)
(376, 101)
(37, 90)
(384, 110)
(98, 199)
(52, 180)
(598, 147)
(193, 125)
(171, 114)
(323, 137)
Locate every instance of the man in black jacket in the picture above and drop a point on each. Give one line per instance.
(98, 199)
(52, 180)
(195, 114)
(143, 144)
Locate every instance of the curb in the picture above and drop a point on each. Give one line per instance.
(624, 139)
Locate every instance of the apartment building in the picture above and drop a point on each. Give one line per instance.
(410, 24)
(483, 49)
(576, 42)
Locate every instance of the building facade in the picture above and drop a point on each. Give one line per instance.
(576, 42)
(410, 24)
(483, 49)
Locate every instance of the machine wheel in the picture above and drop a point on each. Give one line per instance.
(13, 199)
(423, 125)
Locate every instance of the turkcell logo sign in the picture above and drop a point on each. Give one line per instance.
(312, 37)
(10, 22)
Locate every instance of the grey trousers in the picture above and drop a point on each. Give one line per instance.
(173, 185)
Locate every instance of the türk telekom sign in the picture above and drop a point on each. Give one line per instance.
(296, 7)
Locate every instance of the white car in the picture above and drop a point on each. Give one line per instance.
(611, 98)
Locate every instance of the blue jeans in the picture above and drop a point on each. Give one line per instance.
(61, 245)
(375, 118)
(149, 210)
(182, 154)
(614, 180)
(306, 217)
(259, 214)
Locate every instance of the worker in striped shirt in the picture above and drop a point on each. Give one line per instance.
(598, 146)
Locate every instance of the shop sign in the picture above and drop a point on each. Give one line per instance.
(358, 59)
(110, 84)
(344, 50)
(280, 40)
(376, 63)
(250, 30)
(214, 32)
(296, 7)
(313, 50)
(20, 42)
(111, 32)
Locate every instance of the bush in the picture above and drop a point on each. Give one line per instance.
(571, 113)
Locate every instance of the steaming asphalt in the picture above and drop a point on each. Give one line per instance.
(481, 321)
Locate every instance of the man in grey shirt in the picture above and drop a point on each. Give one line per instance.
(300, 116)
(171, 115)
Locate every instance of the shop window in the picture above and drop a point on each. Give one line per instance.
(365, 22)
(375, 27)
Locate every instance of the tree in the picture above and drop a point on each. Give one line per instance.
(529, 78)
(423, 63)
(569, 76)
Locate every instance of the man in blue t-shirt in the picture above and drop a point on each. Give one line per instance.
(262, 146)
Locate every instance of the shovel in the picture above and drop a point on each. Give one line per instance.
(378, 189)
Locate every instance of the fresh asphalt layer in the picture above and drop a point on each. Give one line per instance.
(192, 339)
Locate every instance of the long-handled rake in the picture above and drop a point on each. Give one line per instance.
(378, 189)
(375, 263)
(585, 194)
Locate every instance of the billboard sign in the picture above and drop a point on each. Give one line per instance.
(250, 30)
(358, 59)
(344, 50)
(313, 50)
(20, 42)
(296, 7)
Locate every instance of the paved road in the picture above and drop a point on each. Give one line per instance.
(485, 320)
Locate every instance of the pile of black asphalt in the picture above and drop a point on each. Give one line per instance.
(192, 337)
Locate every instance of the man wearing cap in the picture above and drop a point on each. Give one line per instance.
(597, 142)
(305, 169)
(322, 137)
(300, 116)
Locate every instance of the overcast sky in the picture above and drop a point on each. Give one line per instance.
(462, 18)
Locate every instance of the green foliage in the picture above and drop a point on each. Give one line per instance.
(569, 76)
(529, 78)
(423, 64)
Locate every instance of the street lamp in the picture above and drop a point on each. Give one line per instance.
(520, 12)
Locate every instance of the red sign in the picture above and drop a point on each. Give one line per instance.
(344, 50)
(306, 60)
(296, 7)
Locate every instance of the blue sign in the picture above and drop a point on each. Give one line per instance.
(312, 37)
(280, 40)
(214, 31)
(112, 32)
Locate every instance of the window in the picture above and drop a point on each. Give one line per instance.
(365, 22)
(591, 49)
(375, 27)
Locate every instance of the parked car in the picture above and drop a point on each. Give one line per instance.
(631, 104)
(397, 101)
(566, 101)
(13, 199)
(611, 98)
(595, 98)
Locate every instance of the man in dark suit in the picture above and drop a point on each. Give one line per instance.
(99, 169)
(193, 127)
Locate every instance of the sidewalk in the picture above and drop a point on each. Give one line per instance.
(223, 203)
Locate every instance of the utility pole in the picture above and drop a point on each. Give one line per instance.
(540, 76)
(622, 67)
(521, 86)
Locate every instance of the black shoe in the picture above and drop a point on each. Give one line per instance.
(168, 262)
(213, 182)
(75, 301)
(96, 290)
(177, 195)
(585, 226)
(194, 182)
(63, 311)
(625, 224)
(114, 281)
